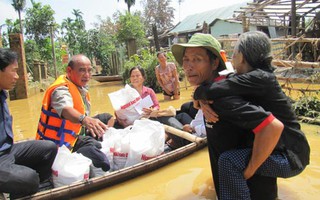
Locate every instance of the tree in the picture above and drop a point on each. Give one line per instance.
(103, 42)
(39, 24)
(131, 27)
(12, 26)
(80, 23)
(158, 12)
(74, 34)
(108, 25)
(39, 20)
(129, 3)
(19, 6)
(1, 43)
(66, 25)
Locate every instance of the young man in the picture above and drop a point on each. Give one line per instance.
(23, 165)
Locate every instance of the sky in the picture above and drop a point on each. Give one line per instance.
(93, 8)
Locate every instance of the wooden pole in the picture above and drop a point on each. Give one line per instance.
(155, 36)
(183, 134)
(293, 25)
(53, 52)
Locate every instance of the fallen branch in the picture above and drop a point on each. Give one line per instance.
(309, 120)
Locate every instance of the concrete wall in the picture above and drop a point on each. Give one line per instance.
(221, 27)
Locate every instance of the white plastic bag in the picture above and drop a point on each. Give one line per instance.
(115, 146)
(134, 144)
(146, 141)
(69, 167)
(124, 101)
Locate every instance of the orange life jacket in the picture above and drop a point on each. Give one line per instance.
(54, 128)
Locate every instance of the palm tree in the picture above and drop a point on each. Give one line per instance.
(12, 26)
(129, 3)
(66, 25)
(19, 6)
(79, 19)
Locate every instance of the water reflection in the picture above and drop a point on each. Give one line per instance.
(189, 178)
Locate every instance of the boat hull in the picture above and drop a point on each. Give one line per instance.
(101, 78)
(113, 178)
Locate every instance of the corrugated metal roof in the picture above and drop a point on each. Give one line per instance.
(192, 21)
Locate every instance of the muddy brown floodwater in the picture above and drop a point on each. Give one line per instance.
(189, 178)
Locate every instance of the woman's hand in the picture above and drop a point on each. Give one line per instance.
(167, 91)
(147, 112)
(248, 173)
(208, 113)
(196, 104)
(176, 91)
(187, 128)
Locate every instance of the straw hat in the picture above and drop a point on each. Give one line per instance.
(199, 40)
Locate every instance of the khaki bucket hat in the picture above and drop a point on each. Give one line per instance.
(199, 40)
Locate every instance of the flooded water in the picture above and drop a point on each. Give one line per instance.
(190, 178)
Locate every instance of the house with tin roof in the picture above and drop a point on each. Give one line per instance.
(213, 21)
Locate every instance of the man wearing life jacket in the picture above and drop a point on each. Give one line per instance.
(65, 114)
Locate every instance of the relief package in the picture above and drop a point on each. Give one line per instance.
(69, 167)
(134, 144)
(124, 102)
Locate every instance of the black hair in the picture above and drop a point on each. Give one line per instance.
(140, 69)
(165, 55)
(7, 57)
(212, 56)
(71, 63)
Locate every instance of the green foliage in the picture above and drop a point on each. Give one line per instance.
(39, 20)
(13, 26)
(308, 106)
(39, 24)
(32, 53)
(315, 78)
(130, 27)
(74, 34)
(97, 43)
(148, 62)
(102, 45)
(19, 5)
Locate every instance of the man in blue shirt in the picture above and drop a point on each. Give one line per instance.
(23, 165)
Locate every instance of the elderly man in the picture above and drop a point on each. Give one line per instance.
(201, 67)
(23, 165)
(65, 117)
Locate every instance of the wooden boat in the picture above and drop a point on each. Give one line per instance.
(81, 188)
(103, 78)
